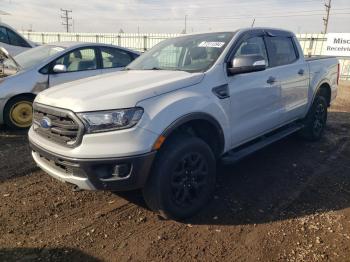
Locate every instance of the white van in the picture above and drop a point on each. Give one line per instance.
(12, 41)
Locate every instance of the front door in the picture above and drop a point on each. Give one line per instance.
(80, 63)
(255, 97)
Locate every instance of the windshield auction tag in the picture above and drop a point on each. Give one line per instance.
(211, 44)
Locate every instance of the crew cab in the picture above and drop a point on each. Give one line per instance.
(164, 122)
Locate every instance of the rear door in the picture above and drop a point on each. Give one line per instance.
(255, 97)
(114, 59)
(80, 63)
(292, 71)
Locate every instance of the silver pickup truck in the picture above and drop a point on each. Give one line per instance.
(164, 122)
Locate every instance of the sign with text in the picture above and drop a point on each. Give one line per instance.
(338, 44)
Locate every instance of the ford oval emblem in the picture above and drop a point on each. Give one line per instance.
(45, 122)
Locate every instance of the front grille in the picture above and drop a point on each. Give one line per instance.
(58, 125)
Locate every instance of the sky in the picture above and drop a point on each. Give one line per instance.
(168, 16)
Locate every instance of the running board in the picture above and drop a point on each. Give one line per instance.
(237, 154)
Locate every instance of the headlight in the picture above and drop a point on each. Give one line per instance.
(102, 121)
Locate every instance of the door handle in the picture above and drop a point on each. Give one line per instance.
(271, 80)
(301, 72)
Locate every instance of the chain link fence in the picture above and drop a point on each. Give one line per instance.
(312, 44)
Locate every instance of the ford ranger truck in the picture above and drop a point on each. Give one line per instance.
(164, 123)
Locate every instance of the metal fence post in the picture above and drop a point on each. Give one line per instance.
(42, 38)
(119, 40)
(145, 43)
(58, 38)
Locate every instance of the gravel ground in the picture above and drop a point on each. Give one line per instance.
(288, 202)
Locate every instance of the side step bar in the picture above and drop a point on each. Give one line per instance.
(237, 154)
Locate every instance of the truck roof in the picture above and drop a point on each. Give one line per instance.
(271, 31)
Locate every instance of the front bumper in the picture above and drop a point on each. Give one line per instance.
(95, 174)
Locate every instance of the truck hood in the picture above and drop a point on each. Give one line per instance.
(122, 89)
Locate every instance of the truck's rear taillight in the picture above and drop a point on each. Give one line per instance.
(338, 77)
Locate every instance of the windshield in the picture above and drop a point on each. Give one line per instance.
(193, 53)
(33, 56)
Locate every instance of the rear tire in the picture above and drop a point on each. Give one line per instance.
(316, 119)
(182, 179)
(18, 112)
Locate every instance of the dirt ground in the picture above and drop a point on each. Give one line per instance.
(288, 202)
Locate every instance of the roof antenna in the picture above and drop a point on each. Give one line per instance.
(253, 22)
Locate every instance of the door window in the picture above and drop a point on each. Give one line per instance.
(253, 46)
(79, 60)
(282, 50)
(113, 57)
(16, 40)
(3, 35)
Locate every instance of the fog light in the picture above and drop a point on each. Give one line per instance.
(121, 170)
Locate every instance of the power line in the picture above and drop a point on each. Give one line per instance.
(65, 16)
(235, 17)
(326, 19)
(239, 16)
(204, 5)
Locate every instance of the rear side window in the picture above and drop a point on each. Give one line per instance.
(3, 35)
(113, 57)
(16, 40)
(281, 50)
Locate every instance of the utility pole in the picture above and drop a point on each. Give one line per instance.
(185, 30)
(65, 16)
(326, 19)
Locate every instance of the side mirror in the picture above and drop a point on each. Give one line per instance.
(246, 64)
(59, 69)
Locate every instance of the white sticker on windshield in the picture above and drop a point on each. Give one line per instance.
(211, 44)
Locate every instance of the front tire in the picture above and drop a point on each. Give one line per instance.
(18, 112)
(316, 119)
(182, 179)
